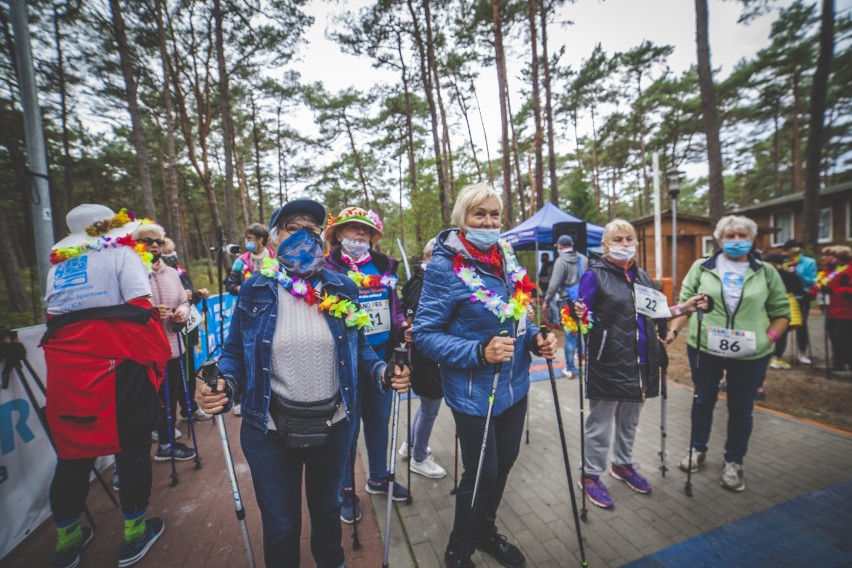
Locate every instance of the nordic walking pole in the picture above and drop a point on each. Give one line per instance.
(456, 468)
(565, 454)
(409, 316)
(170, 425)
(189, 419)
(400, 359)
(664, 397)
(356, 544)
(498, 367)
(700, 315)
(825, 332)
(209, 374)
(582, 363)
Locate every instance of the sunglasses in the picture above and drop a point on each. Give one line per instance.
(149, 241)
(295, 227)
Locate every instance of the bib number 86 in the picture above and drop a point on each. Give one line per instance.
(732, 346)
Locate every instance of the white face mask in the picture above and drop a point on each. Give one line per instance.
(621, 253)
(354, 249)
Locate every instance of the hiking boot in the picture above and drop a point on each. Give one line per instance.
(733, 478)
(181, 453)
(505, 553)
(404, 451)
(70, 557)
(350, 506)
(628, 474)
(779, 363)
(698, 459)
(455, 559)
(428, 468)
(400, 493)
(133, 551)
(596, 491)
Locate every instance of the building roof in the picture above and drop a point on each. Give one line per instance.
(796, 197)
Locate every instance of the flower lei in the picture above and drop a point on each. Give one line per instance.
(342, 308)
(367, 280)
(569, 324)
(516, 307)
(824, 278)
(59, 255)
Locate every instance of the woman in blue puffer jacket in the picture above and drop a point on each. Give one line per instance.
(473, 291)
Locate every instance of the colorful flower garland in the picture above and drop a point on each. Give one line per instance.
(59, 255)
(516, 307)
(372, 280)
(342, 308)
(824, 278)
(569, 324)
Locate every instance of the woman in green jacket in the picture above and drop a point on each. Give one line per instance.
(750, 312)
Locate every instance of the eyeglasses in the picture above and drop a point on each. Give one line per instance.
(149, 241)
(295, 227)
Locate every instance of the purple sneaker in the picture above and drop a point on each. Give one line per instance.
(596, 491)
(631, 477)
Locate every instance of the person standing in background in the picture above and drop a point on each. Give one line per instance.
(564, 285)
(544, 272)
(805, 268)
(251, 261)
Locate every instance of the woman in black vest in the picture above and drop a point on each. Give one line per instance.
(623, 355)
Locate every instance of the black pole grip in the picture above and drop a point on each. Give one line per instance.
(499, 366)
(209, 374)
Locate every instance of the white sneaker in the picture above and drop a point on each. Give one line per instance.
(200, 416)
(698, 459)
(804, 359)
(403, 450)
(732, 477)
(568, 374)
(238, 411)
(428, 468)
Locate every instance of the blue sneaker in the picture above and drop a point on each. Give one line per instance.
(135, 550)
(350, 506)
(400, 493)
(628, 474)
(596, 491)
(70, 557)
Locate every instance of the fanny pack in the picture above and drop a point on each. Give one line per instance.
(303, 424)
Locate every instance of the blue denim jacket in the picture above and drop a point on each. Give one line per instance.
(246, 360)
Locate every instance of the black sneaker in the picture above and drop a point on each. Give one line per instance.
(70, 557)
(135, 550)
(455, 559)
(505, 553)
(182, 453)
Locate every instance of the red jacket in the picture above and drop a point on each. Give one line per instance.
(85, 353)
(840, 295)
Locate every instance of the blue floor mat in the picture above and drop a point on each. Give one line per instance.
(812, 530)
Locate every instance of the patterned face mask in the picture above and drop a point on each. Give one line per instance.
(301, 254)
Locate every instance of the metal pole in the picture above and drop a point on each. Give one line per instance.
(674, 249)
(658, 223)
(34, 136)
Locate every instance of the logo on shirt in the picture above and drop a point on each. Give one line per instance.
(733, 280)
(70, 273)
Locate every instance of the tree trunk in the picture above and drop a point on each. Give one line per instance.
(819, 93)
(548, 109)
(709, 113)
(281, 168)
(409, 141)
(484, 137)
(227, 122)
(497, 27)
(798, 160)
(464, 111)
(516, 155)
(256, 137)
(176, 228)
(17, 297)
(242, 185)
(62, 206)
(356, 157)
(539, 131)
(137, 134)
(446, 155)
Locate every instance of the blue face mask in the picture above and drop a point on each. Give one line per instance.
(736, 249)
(482, 239)
(301, 254)
(251, 247)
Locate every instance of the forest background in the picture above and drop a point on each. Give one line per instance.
(191, 112)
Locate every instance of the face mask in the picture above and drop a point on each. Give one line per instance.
(301, 254)
(170, 259)
(482, 239)
(736, 249)
(251, 247)
(354, 249)
(622, 254)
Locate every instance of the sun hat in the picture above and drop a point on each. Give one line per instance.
(89, 222)
(354, 215)
(296, 207)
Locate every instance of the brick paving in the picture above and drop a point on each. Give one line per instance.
(787, 458)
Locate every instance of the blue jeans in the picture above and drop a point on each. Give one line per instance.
(570, 350)
(373, 407)
(421, 426)
(744, 377)
(276, 472)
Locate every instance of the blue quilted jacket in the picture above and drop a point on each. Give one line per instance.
(449, 327)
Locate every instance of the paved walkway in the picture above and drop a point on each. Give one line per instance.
(787, 459)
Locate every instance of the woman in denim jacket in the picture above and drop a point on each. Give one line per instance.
(296, 341)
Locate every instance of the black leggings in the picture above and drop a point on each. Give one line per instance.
(501, 450)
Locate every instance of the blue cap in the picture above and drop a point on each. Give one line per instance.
(298, 207)
(564, 241)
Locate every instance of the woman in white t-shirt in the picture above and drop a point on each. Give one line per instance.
(750, 312)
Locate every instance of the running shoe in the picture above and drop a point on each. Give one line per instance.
(733, 477)
(698, 459)
(428, 468)
(400, 493)
(350, 507)
(182, 453)
(70, 557)
(135, 550)
(596, 491)
(628, 474)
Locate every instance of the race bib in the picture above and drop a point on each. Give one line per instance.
(194, 319)
(651, 303)
(379, 311)
(733, 343)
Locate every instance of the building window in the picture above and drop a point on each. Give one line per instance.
(708, 246)
(783, 221)
(824, 231)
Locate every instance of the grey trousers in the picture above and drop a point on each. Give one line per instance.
(599, 423)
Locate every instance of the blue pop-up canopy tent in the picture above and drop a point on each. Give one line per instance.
(537, 231)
